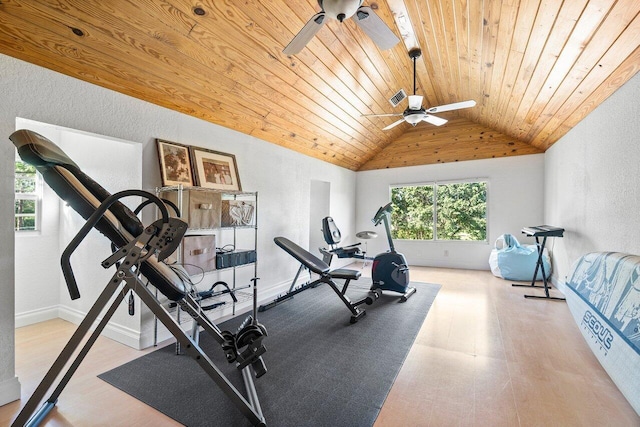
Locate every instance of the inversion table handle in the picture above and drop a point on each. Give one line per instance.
(65, 260)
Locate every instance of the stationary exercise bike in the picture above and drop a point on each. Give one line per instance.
(389, 270)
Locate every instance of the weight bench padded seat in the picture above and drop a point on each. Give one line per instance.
(345, 273)
(306, 258)
(84, 195)
(339, 273)
(313, 263)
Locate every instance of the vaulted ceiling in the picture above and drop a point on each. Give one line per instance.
(534, 67)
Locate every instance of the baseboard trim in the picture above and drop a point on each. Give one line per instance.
(220, 315)
(559, 285)
(36, 316)
(9, 390)
(114, 331)
(141, 340)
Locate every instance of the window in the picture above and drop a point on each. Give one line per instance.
(451, 211)
(28, 193)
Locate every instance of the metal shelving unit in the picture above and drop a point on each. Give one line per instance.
(241, 295)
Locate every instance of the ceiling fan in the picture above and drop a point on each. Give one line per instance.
(364, 16)
(414, 113)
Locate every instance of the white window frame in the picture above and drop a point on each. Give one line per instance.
(36, 195)
(434, 224)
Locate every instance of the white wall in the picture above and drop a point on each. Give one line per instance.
(320, 208)
(592, 182)
(282, 177)
(123, 161)
(9, 384)
(37, 290)
(514, 196)
(41, 295)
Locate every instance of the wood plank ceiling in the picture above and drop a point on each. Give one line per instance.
(534, 67)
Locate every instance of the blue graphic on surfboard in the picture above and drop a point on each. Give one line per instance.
(604, 299)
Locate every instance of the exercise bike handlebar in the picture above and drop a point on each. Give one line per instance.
(383, 215)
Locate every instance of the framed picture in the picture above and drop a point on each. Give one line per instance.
(175, 163)
(214, 169)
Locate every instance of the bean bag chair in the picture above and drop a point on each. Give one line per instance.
(512, 261)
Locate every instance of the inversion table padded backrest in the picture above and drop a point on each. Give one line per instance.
(85, 195)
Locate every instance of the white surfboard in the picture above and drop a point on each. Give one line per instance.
(604, 298)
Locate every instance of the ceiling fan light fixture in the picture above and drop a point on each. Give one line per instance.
(364, 16)
(339, 9)
(415, 113)
(414, 119)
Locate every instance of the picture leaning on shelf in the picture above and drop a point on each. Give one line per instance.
(196, 166)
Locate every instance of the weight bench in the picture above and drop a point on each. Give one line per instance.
(322, 269)
(139, 251)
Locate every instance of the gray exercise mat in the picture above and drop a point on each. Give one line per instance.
(322, 371)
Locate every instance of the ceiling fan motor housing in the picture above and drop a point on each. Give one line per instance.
(339, 9)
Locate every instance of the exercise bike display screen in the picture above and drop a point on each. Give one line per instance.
(381, 212)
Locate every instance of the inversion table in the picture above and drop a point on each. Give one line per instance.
(139, 251)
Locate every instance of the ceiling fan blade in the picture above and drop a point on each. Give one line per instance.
(375, 28)
(454, 106)
(305, 35)
(415, 102)
(382, 115)
(434, 120)
(392, 125)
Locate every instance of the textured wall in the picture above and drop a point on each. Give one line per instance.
(592, 181)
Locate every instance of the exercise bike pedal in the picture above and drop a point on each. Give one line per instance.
(408, 294)
(370, 300)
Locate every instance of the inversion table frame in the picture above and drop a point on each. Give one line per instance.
(141, 253)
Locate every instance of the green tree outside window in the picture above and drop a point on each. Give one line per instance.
(26, 196)
(456, 211)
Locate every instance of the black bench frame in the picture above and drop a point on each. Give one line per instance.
(326, 275)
